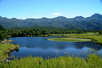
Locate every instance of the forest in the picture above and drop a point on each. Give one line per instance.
(39, 31)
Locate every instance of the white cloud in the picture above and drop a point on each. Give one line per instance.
(56, 13)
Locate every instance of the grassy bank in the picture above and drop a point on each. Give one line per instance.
(93, 61)
(96, 39)
(69, 39)
(84, 34)
(6, 48)
(77, 37)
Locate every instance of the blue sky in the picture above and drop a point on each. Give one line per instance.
(23, 9)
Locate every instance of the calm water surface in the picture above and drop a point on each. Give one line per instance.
(41, 47)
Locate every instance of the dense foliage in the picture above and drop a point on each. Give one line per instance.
(100, 32)
(90, 23)
(3, 33)
(39, 31)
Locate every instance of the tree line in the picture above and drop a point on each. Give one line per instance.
(40, 31)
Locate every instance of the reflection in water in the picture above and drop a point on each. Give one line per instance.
(80, 45)
(40, 46)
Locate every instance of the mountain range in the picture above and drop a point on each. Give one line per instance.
(93, 22)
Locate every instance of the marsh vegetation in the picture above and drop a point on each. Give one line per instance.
(93, 61)
(69, 39)
(5, 49)
(94, 37)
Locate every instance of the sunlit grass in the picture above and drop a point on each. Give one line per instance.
(96, 39)
(6, 48)
(93, 61)
(93, 36)
(69, 39)
(84, 34)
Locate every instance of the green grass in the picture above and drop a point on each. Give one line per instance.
(87, 36)
(84, 34)
(96, 39)
(5, 49)
(69, 39)
(93, 61)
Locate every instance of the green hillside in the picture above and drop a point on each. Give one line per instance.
(93, 22)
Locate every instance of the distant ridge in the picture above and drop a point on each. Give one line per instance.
(93, 22)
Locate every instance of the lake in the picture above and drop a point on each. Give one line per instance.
(42, 47)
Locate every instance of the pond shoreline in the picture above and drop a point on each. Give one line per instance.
(54, 62)
(7, 48)
(79, 36)
(94, 38)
